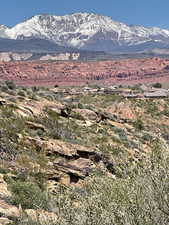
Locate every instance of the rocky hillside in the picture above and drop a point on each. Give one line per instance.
(45, 73)
(82, 158)
(89, 31)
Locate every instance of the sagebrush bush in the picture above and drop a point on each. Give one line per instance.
(28, 195)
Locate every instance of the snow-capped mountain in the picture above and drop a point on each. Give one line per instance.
(3, 30)
(88, 31)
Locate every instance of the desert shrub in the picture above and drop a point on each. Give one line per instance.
(35, 88)
(28, 195)
(8, 150)
(121, 132)
(80, 106)
(10, 84)
(11, 92)
(12, 99)
(77, 116)
(21, 93)
(11, 125)
(58, 129)
(34, 97)
(157, 85)
(147, 137)
(138, 124)
(4, 170)
(4, 88)
(50, 97)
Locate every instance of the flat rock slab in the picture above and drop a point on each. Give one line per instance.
(80, 167)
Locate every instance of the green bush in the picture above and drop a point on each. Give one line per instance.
(138, 124)
(21, 93)
(157, 85)
(10, 84)
(28, 195)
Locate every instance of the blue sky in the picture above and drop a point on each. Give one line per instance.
(141, 12)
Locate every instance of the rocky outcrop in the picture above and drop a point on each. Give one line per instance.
(4, 192)
(72, 162)
(34, 108)
(7, 210)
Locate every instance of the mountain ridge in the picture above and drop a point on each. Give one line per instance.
(87, 31)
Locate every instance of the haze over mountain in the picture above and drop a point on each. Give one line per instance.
(90, 32)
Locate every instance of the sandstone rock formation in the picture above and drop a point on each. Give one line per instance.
(126, 71)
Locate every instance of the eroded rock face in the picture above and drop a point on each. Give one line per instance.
(128, 71)
(4, 192)
(71, 162)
